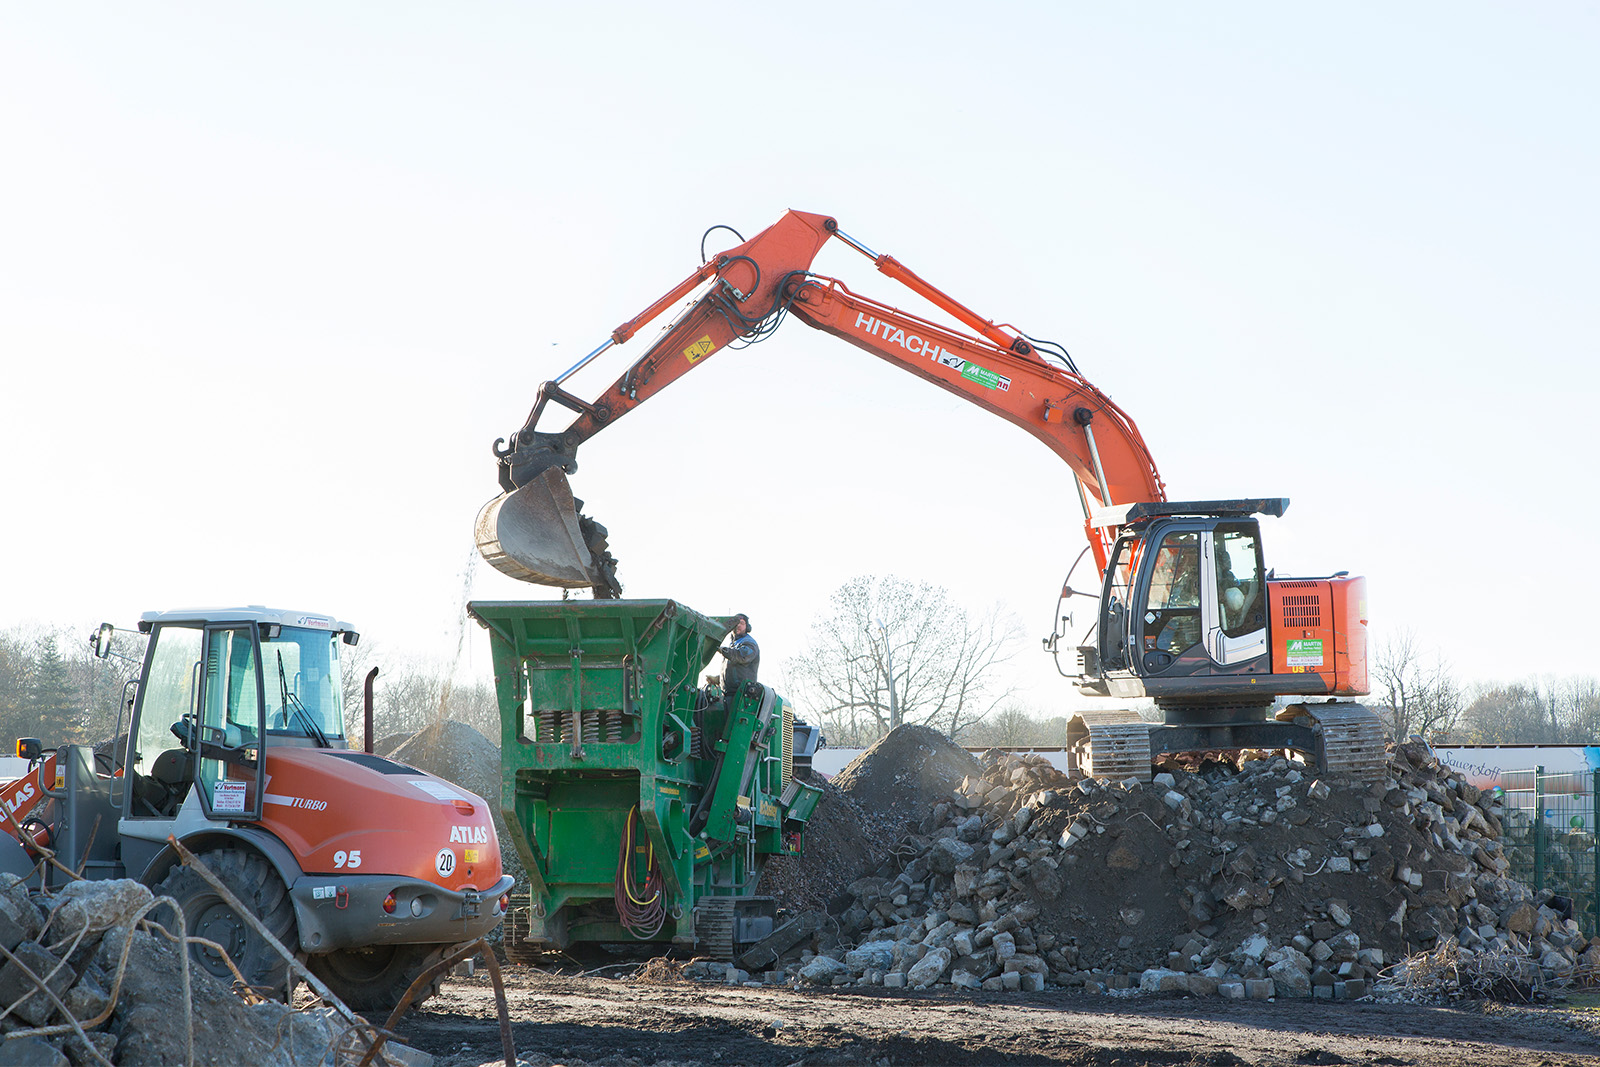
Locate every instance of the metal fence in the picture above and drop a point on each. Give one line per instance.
(1549, 837)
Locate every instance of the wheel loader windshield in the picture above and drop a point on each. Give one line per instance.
(305, 690)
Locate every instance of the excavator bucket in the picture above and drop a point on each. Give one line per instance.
(533, 534)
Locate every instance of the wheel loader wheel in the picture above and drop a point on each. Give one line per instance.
(373, 979)
(254, 882)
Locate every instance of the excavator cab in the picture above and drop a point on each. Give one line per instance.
(1191, 618)
(1183, 601)
(1184, 598)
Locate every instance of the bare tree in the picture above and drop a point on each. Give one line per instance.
(890, 652)
(1535, 711)
(1015, 725)
(1419, 697)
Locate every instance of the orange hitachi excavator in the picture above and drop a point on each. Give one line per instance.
(1189, 614)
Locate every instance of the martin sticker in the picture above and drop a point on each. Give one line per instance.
(228, 797)
(445, 862)
(703, 347)
(1304, 652)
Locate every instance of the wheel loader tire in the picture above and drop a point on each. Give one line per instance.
(254, 882)
(373, 979)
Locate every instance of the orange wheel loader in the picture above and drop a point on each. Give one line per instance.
(368, 869)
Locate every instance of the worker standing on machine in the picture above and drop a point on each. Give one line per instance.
(742, 654)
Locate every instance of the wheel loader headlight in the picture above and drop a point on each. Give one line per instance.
(388, 904)
(416, 907)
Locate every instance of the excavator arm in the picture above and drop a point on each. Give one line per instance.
(533, 531)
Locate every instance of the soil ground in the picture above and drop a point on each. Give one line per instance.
(624, 1021)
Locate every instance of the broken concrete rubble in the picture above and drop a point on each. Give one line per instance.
(95, 981)
(1263, 880)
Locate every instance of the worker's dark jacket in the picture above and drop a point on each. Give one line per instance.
(744, 657)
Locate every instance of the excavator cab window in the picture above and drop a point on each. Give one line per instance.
(1172, 608)
(1114, 600)
(1241, 600)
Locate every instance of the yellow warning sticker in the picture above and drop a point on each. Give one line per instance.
(472, 855)
(703, 347)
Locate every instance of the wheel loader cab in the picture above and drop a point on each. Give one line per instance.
(214, 690)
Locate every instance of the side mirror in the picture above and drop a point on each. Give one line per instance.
(100, 640)
(350, 637)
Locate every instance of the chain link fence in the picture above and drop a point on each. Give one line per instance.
(1549, 837)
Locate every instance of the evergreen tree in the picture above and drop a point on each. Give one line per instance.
(52, 703)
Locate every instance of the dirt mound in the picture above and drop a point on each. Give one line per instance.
(907, 770)
(864, 812)
(843, 841)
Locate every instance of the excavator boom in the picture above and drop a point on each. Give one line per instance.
(534, 531)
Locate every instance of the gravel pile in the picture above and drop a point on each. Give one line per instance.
(1263, 881)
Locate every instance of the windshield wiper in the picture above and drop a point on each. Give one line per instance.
(293, 702)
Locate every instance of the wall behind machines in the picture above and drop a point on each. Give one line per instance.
(1485, 766)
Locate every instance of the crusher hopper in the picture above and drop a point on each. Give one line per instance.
(643, 804)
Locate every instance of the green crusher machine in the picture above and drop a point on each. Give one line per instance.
(643, 804)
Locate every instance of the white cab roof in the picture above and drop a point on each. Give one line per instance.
(250, 613)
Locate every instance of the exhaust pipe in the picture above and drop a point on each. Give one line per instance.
(366, 691)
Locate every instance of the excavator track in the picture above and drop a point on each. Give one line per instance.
(518, 948)
(713, 922)
(1110, 744)
(1351, 739)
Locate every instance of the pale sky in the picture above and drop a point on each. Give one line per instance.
(274, 277)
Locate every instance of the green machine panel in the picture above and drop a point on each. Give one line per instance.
(638, 798)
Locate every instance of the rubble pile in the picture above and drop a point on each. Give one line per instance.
(1265, 880)
(863, 813)
(83, 982)
(843, 841)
